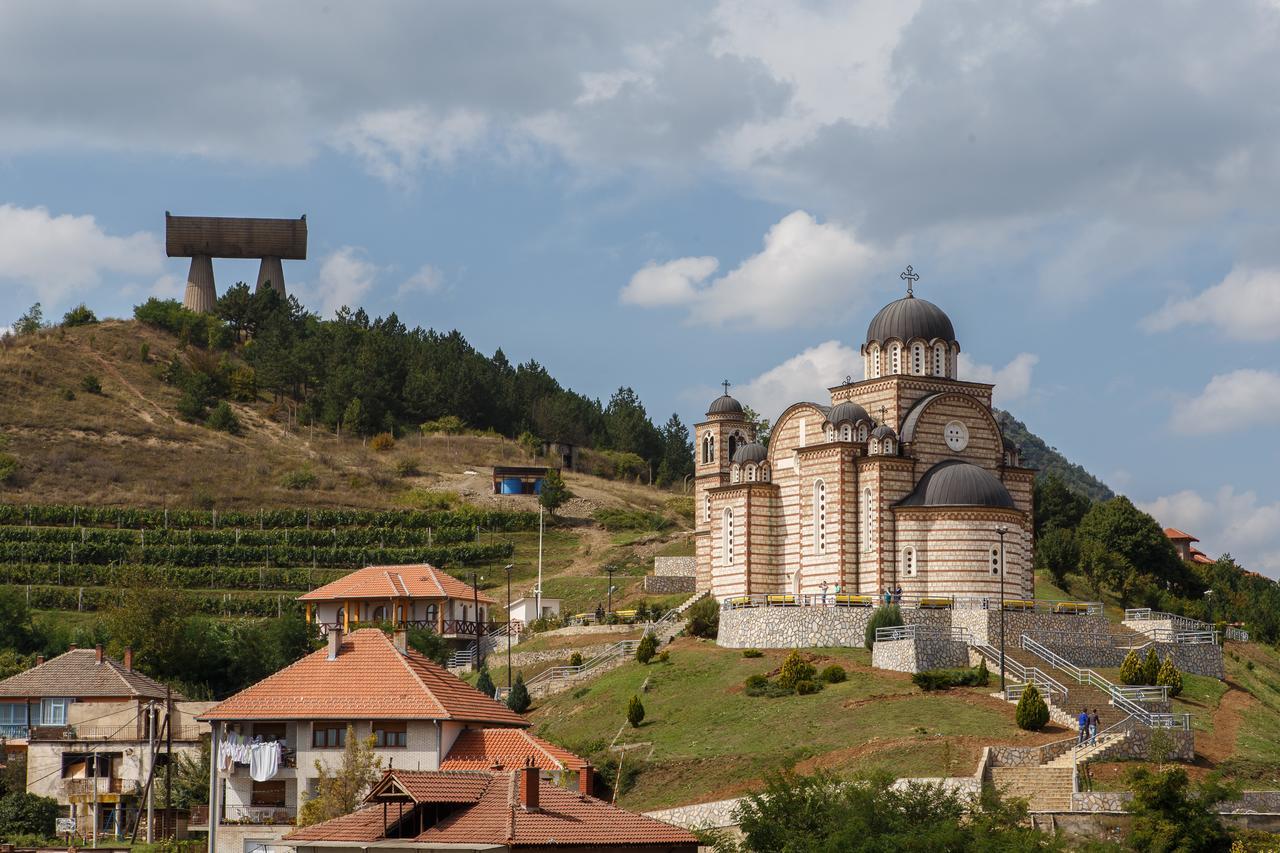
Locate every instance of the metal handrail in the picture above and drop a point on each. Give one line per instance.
(914, 600)
(910, 632)
(557, 673)
(1041, 679)
(1146, 614)
(1239, 635)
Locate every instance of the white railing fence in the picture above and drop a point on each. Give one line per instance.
(1055, 691)
(1238, 635)
(1179, 623)
(911, 600)
(911, 632)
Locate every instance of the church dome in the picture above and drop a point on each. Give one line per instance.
(957, 483)
(909, 318)
(847, 412)
(752, 451)
(724, 405)
(883, 431)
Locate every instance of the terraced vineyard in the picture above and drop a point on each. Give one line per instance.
(77, 558)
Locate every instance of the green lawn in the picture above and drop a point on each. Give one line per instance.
(704, 739)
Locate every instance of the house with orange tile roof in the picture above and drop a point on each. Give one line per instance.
(420, 715)
(421, 596)
(1186, 551)
(500, 809)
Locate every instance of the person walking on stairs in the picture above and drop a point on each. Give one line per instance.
(1083, 722)
(1094, 723)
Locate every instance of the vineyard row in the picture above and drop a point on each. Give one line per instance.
(177, 577)
(202, 602)
(74, 553)
(349, 537)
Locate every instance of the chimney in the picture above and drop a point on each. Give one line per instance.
(586, 781)
(98, 649)
(72, 647)
(529, 785)
(128, 658)
(39, 660)
(335, 642)
(400, 639)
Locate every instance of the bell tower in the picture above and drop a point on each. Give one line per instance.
(716, 439)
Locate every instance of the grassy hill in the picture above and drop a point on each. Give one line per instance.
(1036, 453)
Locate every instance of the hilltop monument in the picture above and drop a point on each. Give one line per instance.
(904, 481)
(203, 238)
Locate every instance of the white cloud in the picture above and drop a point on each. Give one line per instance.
(1012, 381)
(1245, 305)
(1242, 399)
(1226, 521)
(395, 144)
(670, 283)
(805, 270)
(802, 377)
(59, 257)
(345, 277)
(427, 279)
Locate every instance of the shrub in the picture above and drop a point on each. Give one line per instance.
(1131, 668)
(647, 649)
(303, 478)
(243, 384)
(615, 519)
(144, 352)
(703, 619)
(407, 468)
(752, 653)
(756, 683)
(90, 384)
(448, 425)
(664, 656)
(635, 712)
(485, 683)
(575, 659)
(518, 699)
(794, 670)
(27, 814)
(807, 687)
(1170, 677)
(8, 467)
(983, 674)
(1032, 713)
(942, 679)
(885, 616)
(1151, 667)
(382, 442)
(682, 507)
(833, 674)
(222, 418)
(81, 315)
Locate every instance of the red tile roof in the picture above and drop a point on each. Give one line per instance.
(478, 749)
(77, 673)
(369, 680)
(1175, 533)
(564, 818)
(414, 581)
(442, 787)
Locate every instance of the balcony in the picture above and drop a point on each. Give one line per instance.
(76, 789)
(259, 815)
(14, 732)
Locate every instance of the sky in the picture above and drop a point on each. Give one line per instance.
(667, 195)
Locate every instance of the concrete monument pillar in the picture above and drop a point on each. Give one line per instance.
(201, 295)
(271, 272)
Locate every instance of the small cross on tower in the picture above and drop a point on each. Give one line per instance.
(910, 276)
(725, 383)
(882, 408)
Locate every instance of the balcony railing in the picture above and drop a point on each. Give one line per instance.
(259, 815)
(14, 732)
(912, 600)
(104, 784)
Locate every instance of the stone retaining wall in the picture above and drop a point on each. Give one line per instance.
(583, 630)
(1029, 756)
(808, 627)
(1250, 802)
(984, 625)
(668, 584)
(1137, 746)
(919, 653)
(675, 567)
(519, 659)
(1100, 801)
(713, 815)
(1196, 659)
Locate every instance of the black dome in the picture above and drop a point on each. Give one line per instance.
(752, 451)
(724, 405)
(883, 431)
(957, 483)
(909, 318)
(848, 411)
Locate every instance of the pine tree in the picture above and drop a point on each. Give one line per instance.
(647, 649)
(484, 683)
(1151, 667)
(554, 492)
(635, 712)
(1131, 668)
(1032, 713)
(795, 669)
(1170, 677)
(518, 699)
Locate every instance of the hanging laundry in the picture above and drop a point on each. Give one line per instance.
(264, 761)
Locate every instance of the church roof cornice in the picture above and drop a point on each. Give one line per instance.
(754, 488)
(911, 380)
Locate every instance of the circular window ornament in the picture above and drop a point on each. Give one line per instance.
(957, 436)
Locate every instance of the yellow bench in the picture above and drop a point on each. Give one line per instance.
(582, 616)
(934, 603)
(1019, 604)
(1070, 607)
(625, 614)
(781, 599)
(854, 600)
(741, 601)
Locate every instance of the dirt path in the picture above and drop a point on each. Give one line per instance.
(1228, 717)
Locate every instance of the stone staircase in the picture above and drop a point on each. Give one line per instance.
(1046, 788)
(1107, 745)
(1078, 695)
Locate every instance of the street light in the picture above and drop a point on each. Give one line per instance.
(507, 568)
(610, 570)
(1001, 531)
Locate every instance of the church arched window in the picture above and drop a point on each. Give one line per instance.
(751, 473)
(819, 517)
(706, 508)
(862, 432)
(939, 359)
(869, 521)
(895, 358)
(708, 448)
(831, 433)
(909, 561)
(846, 433)
(875, 360)
(917, 359)
(727, 537)
(764, 472)
(735, 473)
(995, 559)
(733, 444)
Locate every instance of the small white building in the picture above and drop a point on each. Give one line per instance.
(525, 610)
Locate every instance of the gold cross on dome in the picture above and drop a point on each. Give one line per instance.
(910, 276)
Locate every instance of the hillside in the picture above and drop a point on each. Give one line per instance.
(1036, 453)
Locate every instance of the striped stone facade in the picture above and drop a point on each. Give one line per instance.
(824, 508)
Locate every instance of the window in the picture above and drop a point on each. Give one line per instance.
(862, 432)
(896, 353)
(819, 517)
(328, 735)
(431, 613)
(764, 472)
(751, 473)
(734, 440)
(886, 446)
(708, 448)
(870, 520)
(875, 361)
(390, 735)
(706, 508)
(939, 360)
(909, 562)
(846, 432)
(957, 436)
(735, 473)
(917, 359)
(12, 714)
(379, 614)
(269, 794)
(995, 559)
(53, 712)
(269, 731)
(727, 534)
(831, 433)
(87, 765)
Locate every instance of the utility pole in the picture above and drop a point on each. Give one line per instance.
(1001, 531)
(610, 570)
(151, 771)
(168, 757)
(537, 590)
(95, 798)
(508, 569)
(477, 662)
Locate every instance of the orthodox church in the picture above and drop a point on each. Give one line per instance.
(904, 481)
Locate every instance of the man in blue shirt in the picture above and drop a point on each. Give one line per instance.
(1083, 721)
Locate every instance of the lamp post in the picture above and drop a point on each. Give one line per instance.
(507, 568)
(1001, 531)
(475, 600)
(610, 570)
